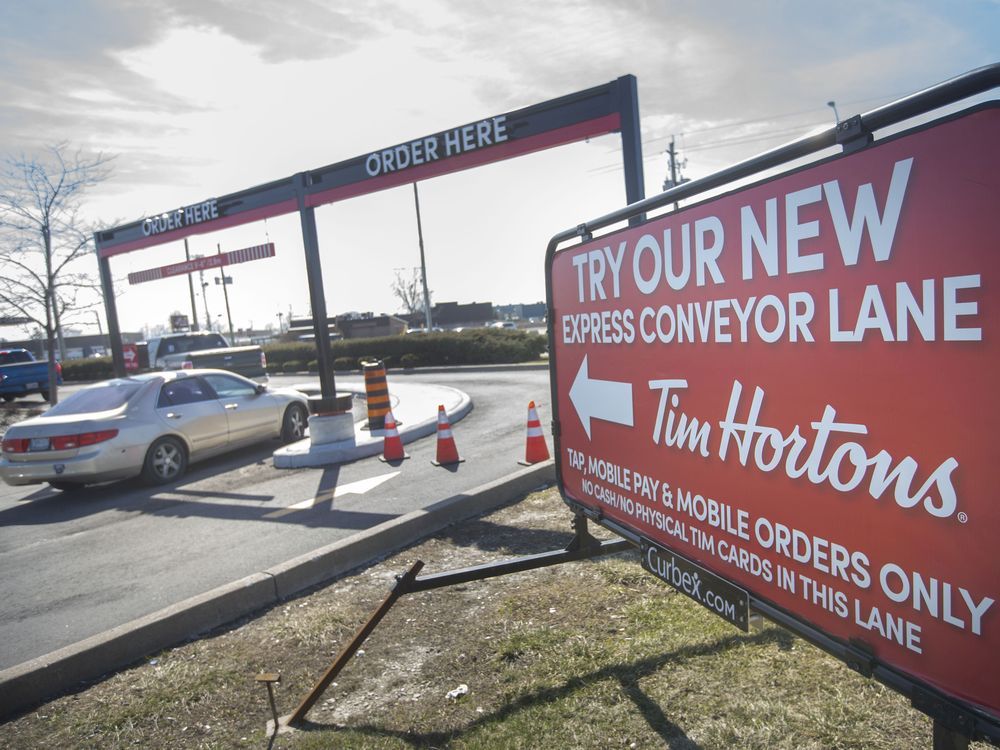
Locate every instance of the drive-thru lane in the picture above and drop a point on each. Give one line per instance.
(76, 566)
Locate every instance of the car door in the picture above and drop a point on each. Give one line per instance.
(189, 406)
(251, 415)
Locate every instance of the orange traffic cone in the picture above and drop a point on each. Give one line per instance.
(535, 450)
(447, 453)
(392, 446)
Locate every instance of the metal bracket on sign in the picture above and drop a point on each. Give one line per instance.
(584, 233)
(852, 135)
(946, 714)
(860, 657)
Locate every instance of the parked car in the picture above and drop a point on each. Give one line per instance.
(505, 324)
(153, 425)
(206, 350)
(22, 375)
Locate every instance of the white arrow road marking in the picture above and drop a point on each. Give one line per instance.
(354, 488)
(601, 399)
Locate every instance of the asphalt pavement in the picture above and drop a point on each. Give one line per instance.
(415, 404)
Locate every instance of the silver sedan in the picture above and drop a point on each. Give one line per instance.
(151, 425)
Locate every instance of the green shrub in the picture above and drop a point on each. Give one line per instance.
(293, 365)
(471, 347)
(343, 364)
(409, 360)
(91, 368)
(313, 365)
(295, 351)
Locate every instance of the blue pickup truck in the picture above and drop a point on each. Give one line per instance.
(22, 375)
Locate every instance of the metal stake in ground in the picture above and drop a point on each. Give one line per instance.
(402, 587)
(582, 547)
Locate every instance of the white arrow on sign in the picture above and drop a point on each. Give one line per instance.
(354, 488)
(601, 399)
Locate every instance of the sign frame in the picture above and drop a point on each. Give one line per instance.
(855, 134)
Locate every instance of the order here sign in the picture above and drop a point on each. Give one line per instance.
(794, 385)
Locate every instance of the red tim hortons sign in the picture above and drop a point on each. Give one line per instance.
(793, 386)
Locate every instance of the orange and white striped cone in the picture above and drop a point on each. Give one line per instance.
(535, 450)
(447, 453)
(392, 446)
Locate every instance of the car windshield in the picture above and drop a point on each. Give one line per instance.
(183, 344)
(103, 397)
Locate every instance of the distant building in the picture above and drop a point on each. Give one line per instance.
(301, 329)
(370, 327)
(350, 326)
(454, 315)
(521, 312)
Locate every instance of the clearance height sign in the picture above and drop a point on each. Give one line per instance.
(794, 387)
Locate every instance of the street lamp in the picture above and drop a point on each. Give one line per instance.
(833, 105)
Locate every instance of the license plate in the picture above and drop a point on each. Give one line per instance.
(31, 385)
(39, 444)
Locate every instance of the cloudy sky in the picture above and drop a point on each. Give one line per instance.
(199, 98)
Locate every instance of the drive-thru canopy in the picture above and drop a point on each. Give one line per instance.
(575, 117)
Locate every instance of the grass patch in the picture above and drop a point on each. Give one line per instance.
(586, 655)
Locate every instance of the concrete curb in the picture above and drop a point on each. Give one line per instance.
(70, 668)
(340, 557)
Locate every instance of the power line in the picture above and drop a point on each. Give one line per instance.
(771, 118)
(720, 143)
(752, 137)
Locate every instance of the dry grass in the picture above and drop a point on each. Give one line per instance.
(586, 655)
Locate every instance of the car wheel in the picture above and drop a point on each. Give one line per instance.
(67, 486)
(293, 425)
(45, 395)
(8, 397)
(166, 460)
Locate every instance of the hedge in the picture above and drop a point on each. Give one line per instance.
(481, 346)
(91, 368)
(475, 347)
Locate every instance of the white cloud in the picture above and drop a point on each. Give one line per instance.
(205, 97)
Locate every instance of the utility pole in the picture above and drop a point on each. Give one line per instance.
(204, 295)
(225, 294)
(674, 179)
(194, 310)
(423, 265)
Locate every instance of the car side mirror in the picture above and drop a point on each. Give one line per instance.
(261, 388)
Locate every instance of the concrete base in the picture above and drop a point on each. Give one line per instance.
(417, 405)
(331, 428)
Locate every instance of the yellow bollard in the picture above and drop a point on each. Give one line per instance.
(377, 393)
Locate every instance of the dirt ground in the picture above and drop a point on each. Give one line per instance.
(594, 654)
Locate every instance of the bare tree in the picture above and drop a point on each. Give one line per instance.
(48, 270)
(410, 292)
